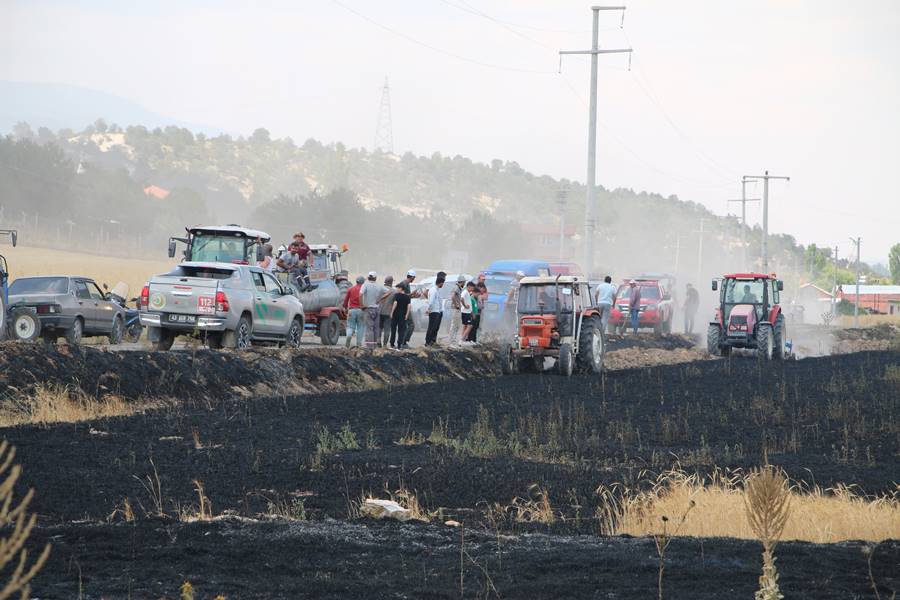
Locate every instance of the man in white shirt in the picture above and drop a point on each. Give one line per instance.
(605, 295)
(435, 309)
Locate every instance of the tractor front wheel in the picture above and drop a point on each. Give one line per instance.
(565, 364)
(509, 363)
(780, 332)
(713, 337)
(765, 341)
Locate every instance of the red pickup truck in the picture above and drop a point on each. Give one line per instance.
(657, 308)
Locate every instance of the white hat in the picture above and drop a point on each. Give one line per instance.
(410, 273)
(520, 273)
(632, 282)
(373, 275)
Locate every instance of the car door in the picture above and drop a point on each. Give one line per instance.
(84, 303)
(279, 309)
(261, 319)
(104, 309)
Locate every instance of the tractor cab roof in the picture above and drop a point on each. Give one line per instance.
(750, 276)
(235, 230)
(553, 280)
(316, 248)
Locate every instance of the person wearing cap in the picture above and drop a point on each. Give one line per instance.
(385, 304)
(634, 304)
(354, 312)
(435, 309)
(456, 308)
(369, 295)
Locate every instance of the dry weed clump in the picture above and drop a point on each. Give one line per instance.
(536, 509)
(55, 403)
(17, 525)
(767, 503)
(817, 515)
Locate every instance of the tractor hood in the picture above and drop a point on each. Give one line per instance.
(742, 319)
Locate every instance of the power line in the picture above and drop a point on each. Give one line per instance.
(418, 42)
(466, 7)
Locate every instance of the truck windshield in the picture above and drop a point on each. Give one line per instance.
(541, 299)
(39, 285)
(219, 248)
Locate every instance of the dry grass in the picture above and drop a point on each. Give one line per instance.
(26, 261)
(821, 516)
(868, 320)
(536, 509)
(55, 403)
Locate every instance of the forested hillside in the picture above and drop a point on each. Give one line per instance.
(88, 188)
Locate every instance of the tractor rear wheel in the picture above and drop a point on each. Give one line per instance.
(565, 364)
(780, 338)
(765, 341)
(591, 346)
(26, 325)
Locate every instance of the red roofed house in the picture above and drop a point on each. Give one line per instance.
(874, 298)
(156, 191)
(545, 240)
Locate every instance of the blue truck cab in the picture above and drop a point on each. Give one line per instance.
(498, 277)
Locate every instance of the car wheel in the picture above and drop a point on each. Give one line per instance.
(117, 331)
(26, 326)
(74, 333)
(242, 336)
(165, 341)
(294, 334)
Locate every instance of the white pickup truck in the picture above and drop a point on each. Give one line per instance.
(225, 305)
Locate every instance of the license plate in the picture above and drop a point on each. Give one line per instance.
(182, 319)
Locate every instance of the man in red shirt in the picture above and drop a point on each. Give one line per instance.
(355, 314)
(302, 246)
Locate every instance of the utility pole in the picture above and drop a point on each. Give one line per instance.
(744, 200)
(765, 231)
(834, 281)
(857, 242)
(700, 253)
(561, 201)
(590, 207)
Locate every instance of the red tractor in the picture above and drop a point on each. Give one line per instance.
(748, 316)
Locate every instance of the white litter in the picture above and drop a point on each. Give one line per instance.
(381, 509)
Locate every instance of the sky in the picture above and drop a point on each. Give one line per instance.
(714, 90)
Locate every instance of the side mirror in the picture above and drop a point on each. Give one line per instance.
(105, 287)
(171, 248)
(779, 285)
(715, 285)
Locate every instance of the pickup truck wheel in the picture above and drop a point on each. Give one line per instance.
(166, 339)
(26, 325)
(294, 334)
(330, 330)
(74, 333)
(241, 337)
(117, 331)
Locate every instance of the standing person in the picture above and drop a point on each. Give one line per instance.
(634, 304)
(467, 306)
(400, 309)
(481, 296)
(268, 261)
(369, 295)
(604, 296)
(410, 322)
(691, 304)
(386, 304)
(435, 309)
(456, 309)
(354, 308)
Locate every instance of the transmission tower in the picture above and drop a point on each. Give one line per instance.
(384, 135)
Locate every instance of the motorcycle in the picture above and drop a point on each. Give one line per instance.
(133, 327)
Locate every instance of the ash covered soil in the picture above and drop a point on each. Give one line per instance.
(461, 446)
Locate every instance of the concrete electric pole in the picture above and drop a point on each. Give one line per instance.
(765, 231)
(744, 200)
(590, 208)
(562, 197)
(856, 242)
(834, 281)
(700, 253)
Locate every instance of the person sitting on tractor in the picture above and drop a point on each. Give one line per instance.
(290, 262)
(749, 297)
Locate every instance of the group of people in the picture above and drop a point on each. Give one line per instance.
(292, 259)
(381, 315)
(605, 296)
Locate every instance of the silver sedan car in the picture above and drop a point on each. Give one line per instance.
(50, 307)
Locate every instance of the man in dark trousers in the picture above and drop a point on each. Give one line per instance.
(435, 309)
(691, 304)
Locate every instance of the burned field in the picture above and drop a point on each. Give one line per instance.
(487, 453)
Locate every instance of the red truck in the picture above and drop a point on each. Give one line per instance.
(657, 307)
